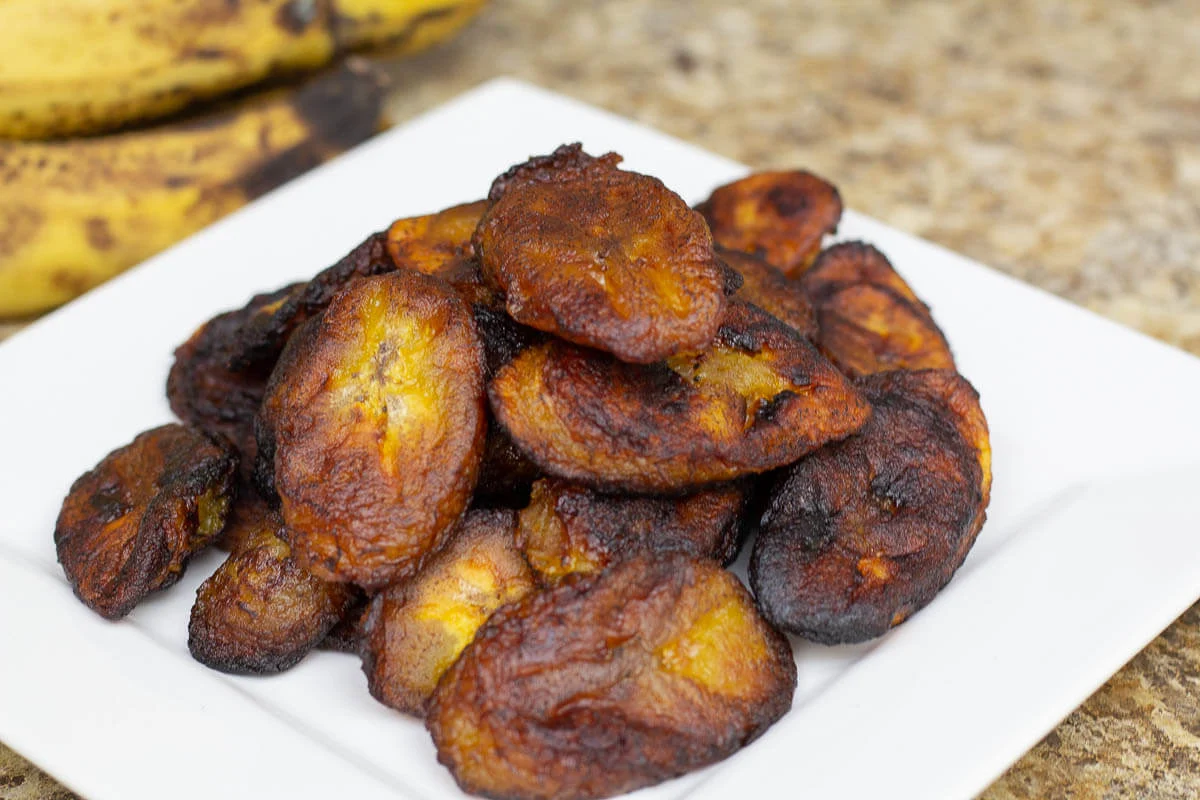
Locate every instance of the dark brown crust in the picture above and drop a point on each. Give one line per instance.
(607, 683)
(869, 319)
(129, 526)
(342, 106)
(415, 629)
(203, 389)
(768, 288)
(260, 613)
(264, 339)
(568, 528)
(864, 533)
(604, 258)
(586, 416)
(566, 160)
(377, 418)
(780, 216)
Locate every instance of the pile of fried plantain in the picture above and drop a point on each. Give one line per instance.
(503, 453)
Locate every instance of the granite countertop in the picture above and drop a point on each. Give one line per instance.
(1057, 141)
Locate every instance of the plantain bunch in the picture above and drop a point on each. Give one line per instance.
(105, 158)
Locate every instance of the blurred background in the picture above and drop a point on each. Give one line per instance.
(1058, 141)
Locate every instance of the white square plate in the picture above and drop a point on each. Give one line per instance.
(1090, 550)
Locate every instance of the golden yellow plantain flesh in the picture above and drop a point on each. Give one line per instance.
(75, 213)
(74, 67)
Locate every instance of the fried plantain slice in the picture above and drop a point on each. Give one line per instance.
(863, 533)
(436, 244)
(869, 319)
(260, 613)
(568, 528)
(130, 524)
(759, 398)
(206, 393)
(604, 258)
(567, 160)
(415, 629)
(611, 682)
(264, 338)
(772, 291)
(375, 415)
(780, 216)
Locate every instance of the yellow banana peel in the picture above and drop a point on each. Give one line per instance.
(74, 67)
(74, 213)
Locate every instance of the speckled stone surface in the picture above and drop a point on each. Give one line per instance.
(1057, 141)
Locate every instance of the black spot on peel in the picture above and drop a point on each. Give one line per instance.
(280, 169)
(343, 107)
(340, 110)
(343, 28)
(99, 235)
(69, 282)
(205, 54)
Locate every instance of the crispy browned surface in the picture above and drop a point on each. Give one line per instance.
(869, 319)
(376, 412)
(436, 244)
(129, 526)
(568, 528)
(259, 612)
(863, 533)
(567, 160)
(780, 216)
(607, 683)
(768, 288)
(505, 475)
(759, 398)
(203, 389)
(604, 258)
(264, 338)
(415, 629)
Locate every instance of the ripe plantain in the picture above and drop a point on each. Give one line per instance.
(76, 67)
(75, 213)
